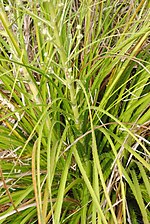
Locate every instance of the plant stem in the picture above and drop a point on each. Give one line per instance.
(69, 78)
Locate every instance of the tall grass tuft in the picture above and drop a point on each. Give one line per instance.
(74, 121)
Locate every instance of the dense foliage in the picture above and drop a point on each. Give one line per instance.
(74, 111)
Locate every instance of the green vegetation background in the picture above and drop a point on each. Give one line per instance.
(74, 111)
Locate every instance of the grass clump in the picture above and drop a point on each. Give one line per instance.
(74, 100)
